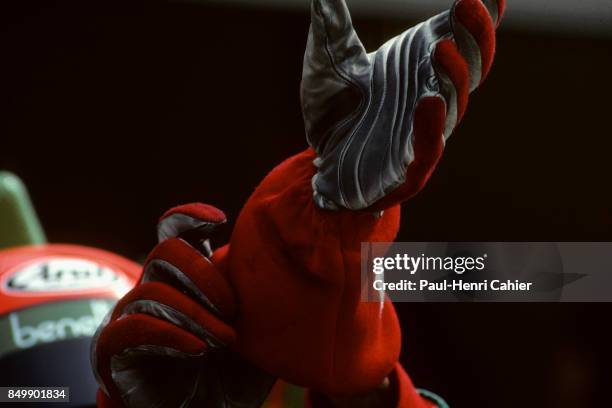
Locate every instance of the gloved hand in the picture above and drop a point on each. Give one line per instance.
(168, 342)
(378, 122)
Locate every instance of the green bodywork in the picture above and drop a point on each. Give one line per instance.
(19, 224)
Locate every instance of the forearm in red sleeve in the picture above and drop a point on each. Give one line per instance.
(296, 272)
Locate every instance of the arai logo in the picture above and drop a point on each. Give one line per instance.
(61, 274)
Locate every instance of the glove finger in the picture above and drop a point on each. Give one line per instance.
(179, 265)
(166, 303)
(496, 9)
(429, 122)
(332, 23)
(451, 66)
(334, 56)
(198, 217)
(474, 33)
(140, 334)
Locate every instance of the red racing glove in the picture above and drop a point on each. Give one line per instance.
(378, 122)
(167, 342)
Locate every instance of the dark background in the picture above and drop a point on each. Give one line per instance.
(114, 111)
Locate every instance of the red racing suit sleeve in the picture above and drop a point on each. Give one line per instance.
(295, 269)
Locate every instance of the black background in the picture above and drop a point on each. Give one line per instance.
(113, 112)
